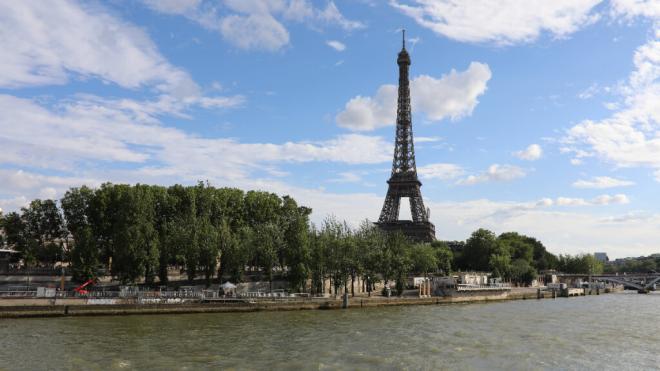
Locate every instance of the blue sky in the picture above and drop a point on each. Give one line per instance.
(536, 116)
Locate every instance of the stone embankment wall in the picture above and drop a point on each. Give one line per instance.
(17, 308)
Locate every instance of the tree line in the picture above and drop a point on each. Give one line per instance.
(143, 231)
(648, 264)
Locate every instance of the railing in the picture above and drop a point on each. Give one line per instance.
(471, 287)
(180, 296)
(18, 294)
(37, 271)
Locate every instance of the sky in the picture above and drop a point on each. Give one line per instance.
(536, 116)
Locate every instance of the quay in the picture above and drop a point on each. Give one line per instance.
(60, 307)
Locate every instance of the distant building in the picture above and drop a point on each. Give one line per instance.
(455, 246)
(602, 256)
(472, 278)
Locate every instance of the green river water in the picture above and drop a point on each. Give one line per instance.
(606, 332)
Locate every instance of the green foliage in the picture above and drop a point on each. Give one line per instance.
(36, 232)
(398, 261)
(636, 265)
(522, 272)
(580, 264)
(142, 232)
(267, 241)
(295, 248)
(209, 248)
(15, 231)
(370, 245)
(510, 256)
(335, 237)
(424, 258)
(501, 266)
(478, 249)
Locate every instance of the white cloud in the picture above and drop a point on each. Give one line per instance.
(495, 173)
(545, 202)
(576, 161)
(618, 199)
(348, 177)
(173, 6)
(12, 204)
(589, 92)
(427, 139)
(440, 171)
(48, 42)
(332, 15)
(532, 153)
(568, 201)
(254, 31)
(630, 137)
(256, 24)
(602, 182)
(336, 45)
(20, 181)
(79, 133)
(367, 113)
(454, 96)
(562, 230)
(501, 22)
(636, 8)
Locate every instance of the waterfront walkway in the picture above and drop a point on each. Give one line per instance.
(41, 307)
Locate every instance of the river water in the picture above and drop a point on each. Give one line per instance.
(606, 332)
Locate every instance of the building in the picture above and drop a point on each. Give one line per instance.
(601, 256)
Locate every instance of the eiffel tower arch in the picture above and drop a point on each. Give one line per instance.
(403, 182)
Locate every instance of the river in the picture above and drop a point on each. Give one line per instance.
(606, 332)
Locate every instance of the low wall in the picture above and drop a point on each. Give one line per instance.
(17, 308)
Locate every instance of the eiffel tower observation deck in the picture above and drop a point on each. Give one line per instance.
(403, 182)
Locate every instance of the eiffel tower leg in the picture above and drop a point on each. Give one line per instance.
(417, 209)
(390, 210)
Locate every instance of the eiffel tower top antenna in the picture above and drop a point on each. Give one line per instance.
(404, 37)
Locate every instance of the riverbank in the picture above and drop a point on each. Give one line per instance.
(36, 307)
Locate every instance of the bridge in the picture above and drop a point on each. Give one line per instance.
(642, 282)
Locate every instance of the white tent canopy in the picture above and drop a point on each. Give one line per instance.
(228, 286)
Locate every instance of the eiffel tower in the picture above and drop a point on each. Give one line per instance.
(404, 182)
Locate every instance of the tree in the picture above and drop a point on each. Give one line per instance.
(318, 261)
(444, 256)
(235, 248)
(424, 259)
(267, 240)
(44, 229)
(522, 272)
(370, 244)
(398, 262)
(84, 250)
(15, 231)
(580, 264)
(209, 248)
(478, 249)
(335, 238)
(501, 266)
(294, 221)
(517, 245)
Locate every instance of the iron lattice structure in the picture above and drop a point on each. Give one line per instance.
(403, 181)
